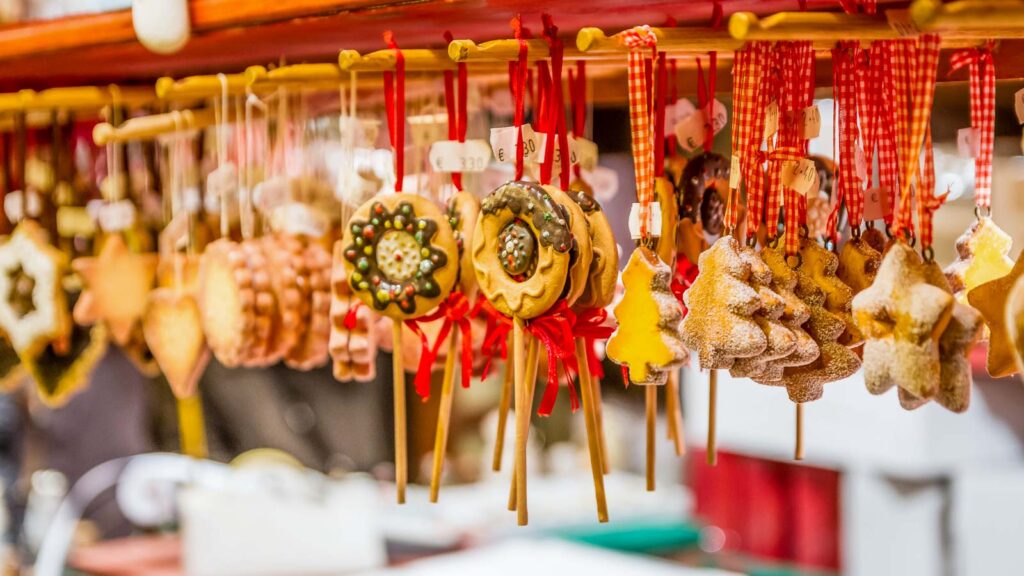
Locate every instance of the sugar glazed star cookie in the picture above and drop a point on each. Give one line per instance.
(721, 304)
(647, 337)
(990, 299)
(33, 306)
(117, 284)
(902, 317)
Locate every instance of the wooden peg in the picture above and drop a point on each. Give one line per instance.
(799, 452)
(401, 444)
(444, 415)
(690, 39)
(415, 59)
(593, 437)
(652, 420)
(712, 410)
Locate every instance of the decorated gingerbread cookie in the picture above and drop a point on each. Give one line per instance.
(463, 210)
(858, 264)
(400, 255)
(33, 306)
(355, 331)
(705, 180)
(990, 299)
(604, 265)
(227, 293)
(582, 252)
(521, 249)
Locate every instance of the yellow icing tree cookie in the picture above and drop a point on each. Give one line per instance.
(982, 256)
(647, 338)
(990, 299)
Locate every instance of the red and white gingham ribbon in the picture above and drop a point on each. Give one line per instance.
(983, 115)
(848, 186)
(745, 88)
(639, 40)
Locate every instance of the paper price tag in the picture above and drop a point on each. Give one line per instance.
(116, 216)
(719, 116)
(968, 144)
(75, 221)
(735, 172)
(454, 156)
(653, 220)
(810, 122)
(690, 131)
(175, 234)
(876, 203)
(583, 152)
(272, 193)
(1018, 105)
(426, 129)
(18, 205)
(503, 144)
(799, 175)
(860, 164)
(771, 120)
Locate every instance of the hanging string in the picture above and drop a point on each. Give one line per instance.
(983, 115)
(639, 40)
(556, 104)
(673, 142)
(456, 107)
(394, 101)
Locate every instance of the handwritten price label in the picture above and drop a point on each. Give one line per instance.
(968, 144)
(771, 120)
(810, 122)
(503, 144)
(876, 203)
(735, 172)
(799, 175)
(583, 152)
(453, 156)
(691, 130)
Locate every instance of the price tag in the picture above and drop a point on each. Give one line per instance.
(876, 203)
(810, 122)
(735, 172)
(653, 220)
(1018, 105)
(425, 129)
(18, 205)
(691, 130)
(674, 114)
(454, 156)
(116, 216)
(860, 164)
(503, 144)
(799, 175)
(75, 221)
(771, 120)
(223, 180)
(968, 144)
(583, 152)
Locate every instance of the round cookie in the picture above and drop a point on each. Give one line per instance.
(463, 210)
(521, 249)
(666, 243)
(400, 255)
(582, 252)
(604, 266)
(704, 181)
(227, 302)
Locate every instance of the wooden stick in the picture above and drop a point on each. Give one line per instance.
(593, 439)
(503, 406)
(532, 359)
(444, 415)
(401, 446)
(799, 455)
(652, 420)
(599, 412)
(712, 410)
(191, 426)
(674, 413)
(523, 410)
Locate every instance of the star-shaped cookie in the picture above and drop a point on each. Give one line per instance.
(117, 283)
(33, 309)
(990, 299)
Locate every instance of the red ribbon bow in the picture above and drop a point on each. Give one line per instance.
(554, 330)
(591, 325)
(455, 311)
(495, 335)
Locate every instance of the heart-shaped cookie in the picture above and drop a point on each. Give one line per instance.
(174, 333)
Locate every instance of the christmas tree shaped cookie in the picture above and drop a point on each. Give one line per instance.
(982, 256)
(795, 314)
(721, 304)
(821, 264)
(647, 338)
(781, 340)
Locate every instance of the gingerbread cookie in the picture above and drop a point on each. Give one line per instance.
(704, 181)
(646, 340)
(721, 303)
(582, 252)
(401, 255)
(117, 282)
(521, 249)
(858, 264)
(690, 240)
(174, 333)
(821, 265)
(33, 306)
(1014, 319)
(463, 210)
(990, 299)
(289, 280)
(227, 302)
(604, 265)
(902, 316)
(665, 245)
(875, 238)
(354, 328)
(312, 349)
(795, 314)
(266, 318)
(781, 340)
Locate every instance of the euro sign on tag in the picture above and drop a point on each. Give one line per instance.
(454, 156)
(968, 144)
(876, 203)
(503, 144)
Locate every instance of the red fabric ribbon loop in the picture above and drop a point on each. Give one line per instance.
(394, 102)
(454, 311)
(983, 114)
(553, 330)
(351, 316)
(495, 334)
(592, 325)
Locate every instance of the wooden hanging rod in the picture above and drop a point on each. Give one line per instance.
(301, 74)
(153, 126)
(994, 18)
(416, 60)
(671, 40)
(506, 50)
(205, 86)
(75, 98)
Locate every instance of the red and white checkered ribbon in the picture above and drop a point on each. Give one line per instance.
(915, 72)
(848, 185)
(983, 115)
(880, 137)
(641, 42)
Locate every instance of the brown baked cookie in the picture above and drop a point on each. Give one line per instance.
(821, 265)
(705, 180)
(665, 245)
(463, 211)
(582, 252)
(858, 264)
(521, 249)
(400, 254)
(795, 314)
(227, 302)
(311, 350)
(781, 340)
(604, 266)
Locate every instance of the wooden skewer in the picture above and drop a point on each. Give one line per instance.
(532, 359)
(191, 426)
(593, 437)
(444, 415)
(799, 454)
(674, 413)
(652, 420)
(401, 446)
(712, 409)
(503, 406)
(523, 410)
(599, 413)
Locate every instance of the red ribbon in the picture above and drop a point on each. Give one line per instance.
(661, 87)
(456, 106)
(683, 278)
(553, 330)
(518, 72)
(591, 325)
(394, 102)
(455, 311)
(495, 335)
(351, 316)
(578, 97)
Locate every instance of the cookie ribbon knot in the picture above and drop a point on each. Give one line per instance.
(592, 325)
(455, 311)
(553, 330)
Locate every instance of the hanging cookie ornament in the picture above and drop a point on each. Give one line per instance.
(118, 282)
(991, 299)
(354, 328)
(400, 255)
(1014, 319)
